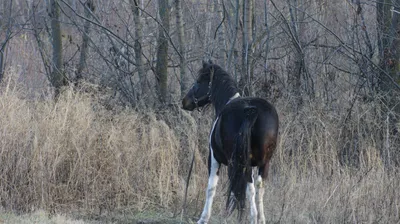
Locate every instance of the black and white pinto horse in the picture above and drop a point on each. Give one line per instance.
(243, 136)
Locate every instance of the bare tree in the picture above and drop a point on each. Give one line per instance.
(6, 26)
(266, 47)
(89, 9)
(162, 50)
(220, 33)
(388, 24)
(231, 53)
(207, 43)
(57, 78)
(181, 39)
(138, 45)
(297, 68)
(389, 46)
(247, 35)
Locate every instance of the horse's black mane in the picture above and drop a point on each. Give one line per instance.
(223, 85)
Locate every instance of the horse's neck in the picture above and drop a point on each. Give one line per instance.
(218, 108)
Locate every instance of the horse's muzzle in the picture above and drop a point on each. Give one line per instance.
(188, 104)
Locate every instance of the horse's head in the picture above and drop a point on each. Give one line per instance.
(200, 93)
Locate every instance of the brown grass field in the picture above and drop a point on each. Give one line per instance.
(74, 160)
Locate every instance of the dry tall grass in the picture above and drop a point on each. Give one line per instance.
(75, 156)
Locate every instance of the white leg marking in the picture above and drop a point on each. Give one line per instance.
(210, 193)
(260, 197)
(212, 183)
(251, 194)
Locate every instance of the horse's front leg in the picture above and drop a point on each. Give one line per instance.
(213, 168)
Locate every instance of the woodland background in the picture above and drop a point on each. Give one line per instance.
(90, 118)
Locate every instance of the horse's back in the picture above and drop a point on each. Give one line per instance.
(267, 115)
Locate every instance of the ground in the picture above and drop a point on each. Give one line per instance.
(44, 218)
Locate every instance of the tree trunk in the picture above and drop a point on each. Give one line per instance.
(252, 35)
(207, 44)
(297, 66)
(395, 45)
(181, 39)
(267, 37)
(138, 46)
(89, 7)
(6, 26)
(231, 53)
(389, 48)
(162, 51)
(246, 45)
(384, 20)
(388, 23)
(57, 78)
(221, 34)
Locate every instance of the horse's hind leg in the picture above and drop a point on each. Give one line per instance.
(213, 167)
(251, 195)
(259, 198)
(262, 176)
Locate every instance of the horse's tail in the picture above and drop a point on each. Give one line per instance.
(239, 167)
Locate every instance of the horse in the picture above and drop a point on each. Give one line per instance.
(243, 136)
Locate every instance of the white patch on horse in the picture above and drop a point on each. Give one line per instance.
(212, 184)
(212, 131)
(233, 97)
(260, 203)
(251, 194)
